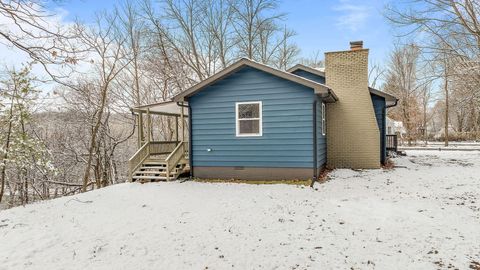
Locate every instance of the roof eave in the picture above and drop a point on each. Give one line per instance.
(391, 100)
(307, 69)
(327, 94)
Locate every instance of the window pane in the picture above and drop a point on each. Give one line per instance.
(248, 111)
(249, 126)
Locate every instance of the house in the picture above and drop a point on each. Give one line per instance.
(252, 121)
(395, 127)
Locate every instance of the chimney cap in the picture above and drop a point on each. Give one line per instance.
(356, 45)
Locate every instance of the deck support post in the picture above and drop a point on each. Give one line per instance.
(176, 128)
(140, 129)
(182, 115)
(149, 127)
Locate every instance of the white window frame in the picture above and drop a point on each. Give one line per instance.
(324, 120)
(260, 120)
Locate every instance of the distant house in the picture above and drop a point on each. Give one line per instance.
(252, 121)
(395, 127)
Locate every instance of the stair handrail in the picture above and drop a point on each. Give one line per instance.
(137, 159)
(174, 158)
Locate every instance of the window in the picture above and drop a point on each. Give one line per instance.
(248, 116)
(324, 126)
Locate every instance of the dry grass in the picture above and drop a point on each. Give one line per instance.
(389, 164)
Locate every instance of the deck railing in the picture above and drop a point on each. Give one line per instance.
(148, 149)
(137, 159)
(174, 158)
(392, 143)
(162, 148)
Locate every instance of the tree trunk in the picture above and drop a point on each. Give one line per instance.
(446, 107)
(7, 147)
(93, 139)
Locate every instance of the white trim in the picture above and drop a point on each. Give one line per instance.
(260, 120)
(324, 120)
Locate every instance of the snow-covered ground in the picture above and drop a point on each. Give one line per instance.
(424, 215)
(459, 146)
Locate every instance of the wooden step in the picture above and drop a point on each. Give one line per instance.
(151, 172)
(176, 170)
(157, 163)
(162, 168)
(152, 178)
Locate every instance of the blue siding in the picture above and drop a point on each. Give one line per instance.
(287, 139)
(310, 76)
(321, 139)
(379, 106)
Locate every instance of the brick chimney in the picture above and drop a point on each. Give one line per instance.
(353, 137)
(356, 45)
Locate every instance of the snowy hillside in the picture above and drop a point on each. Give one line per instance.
(423, 216)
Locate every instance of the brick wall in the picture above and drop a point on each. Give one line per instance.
(353, 138)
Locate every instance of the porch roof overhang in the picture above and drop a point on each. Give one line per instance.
(319, 89)
(167, 108)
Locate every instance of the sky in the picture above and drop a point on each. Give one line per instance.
(321, 25)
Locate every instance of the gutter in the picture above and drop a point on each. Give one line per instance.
(329, 95)
(396, 103)
(182, 104)
(332, 94)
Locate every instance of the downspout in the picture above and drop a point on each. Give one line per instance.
(314, 122)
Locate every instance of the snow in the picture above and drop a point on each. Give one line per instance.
(440, 146)
(424, 214)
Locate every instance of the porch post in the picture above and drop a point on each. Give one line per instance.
(149, 128)
(176, 128)
(183, 124)
(140, 129)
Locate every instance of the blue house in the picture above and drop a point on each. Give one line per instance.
(252, 121)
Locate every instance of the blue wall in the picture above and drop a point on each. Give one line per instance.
(379, 106)
(287, 139)
(321, 140)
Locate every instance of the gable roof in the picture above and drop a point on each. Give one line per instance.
(389, 99)
(243, 62)
(319, 72)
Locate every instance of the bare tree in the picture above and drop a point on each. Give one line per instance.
(106, 47)
(375, 74)
(450, 38)
(252, 22)
(315, 60)
(33, 29)
(403, 81)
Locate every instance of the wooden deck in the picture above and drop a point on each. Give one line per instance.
(159, 161)
(392, 143)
